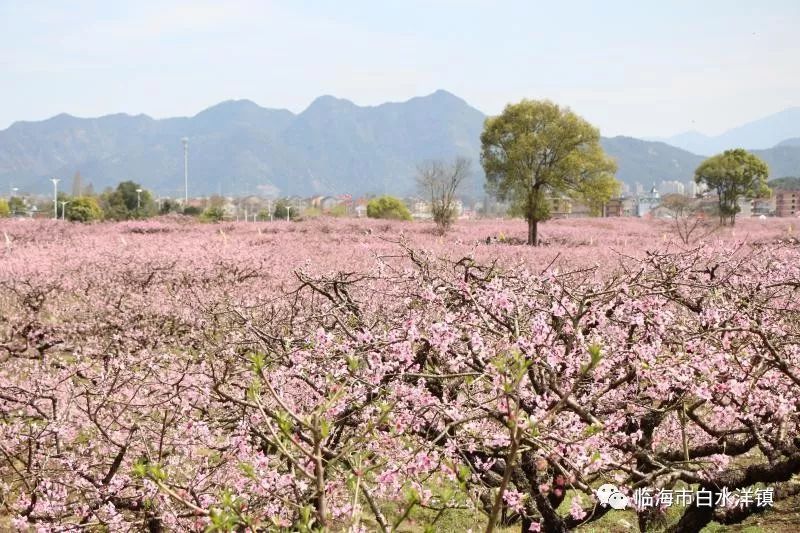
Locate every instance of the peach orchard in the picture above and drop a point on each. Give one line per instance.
(172, 376)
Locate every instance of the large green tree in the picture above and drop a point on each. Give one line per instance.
(733, 174)
(4, 209)
(17, 206)
(536, 150)
(83, 209)
(124, 202)
(595, 192)
(282, 207)
(388, 207)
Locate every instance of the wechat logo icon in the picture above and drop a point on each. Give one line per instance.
(610, 495)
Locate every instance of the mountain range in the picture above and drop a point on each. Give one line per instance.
(767, 132)
(333, 146)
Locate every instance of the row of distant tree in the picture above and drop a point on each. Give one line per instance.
(130, 201)
(127, 201)
(531, 152)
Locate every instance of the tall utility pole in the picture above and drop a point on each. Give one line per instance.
(55, 197)
(185, 141)
(13, 194)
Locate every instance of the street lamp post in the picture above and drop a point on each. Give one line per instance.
(63, 210)
(13, 194)
(55, 197)
(138, 199)
(185, 142)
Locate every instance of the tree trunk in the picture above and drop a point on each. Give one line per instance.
(694, 518)
(533, 239)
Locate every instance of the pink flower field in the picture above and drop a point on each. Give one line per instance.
(360, 375)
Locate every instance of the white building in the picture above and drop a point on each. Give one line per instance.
(647, 202)
(745, 207)
(672, 187)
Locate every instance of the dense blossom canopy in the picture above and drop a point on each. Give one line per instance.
(174, 376)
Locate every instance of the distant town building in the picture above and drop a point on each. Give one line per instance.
(671, 187)
(692, 189)
(660, 211)
(613, 208)
(647, 202)
(328, 203)
(786, 203)
(629, 206)
(420, 209)
(560, 207)
(624, 206)
(764, 206)
(745, 207)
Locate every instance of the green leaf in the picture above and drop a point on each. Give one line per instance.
(258, 361)
(324, 428)
(248, 470)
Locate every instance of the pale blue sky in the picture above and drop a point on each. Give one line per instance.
(639, 68)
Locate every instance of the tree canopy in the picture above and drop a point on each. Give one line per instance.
(213, 214)
(169, 206)
(536, 150)
(4, 209)
(83, 209)
(283, 209)
(124, 202)
(733, 174)
(388, 207)
(441, 182)
(17, 205)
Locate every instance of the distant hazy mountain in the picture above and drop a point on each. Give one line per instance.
(757, 135)
(648, 162)
(787, 183)
(790, 142)
(239, 147)
(334, 146)
(782, 160)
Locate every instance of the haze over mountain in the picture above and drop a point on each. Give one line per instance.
(790, 142)
(756, 135)
(333, 146)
